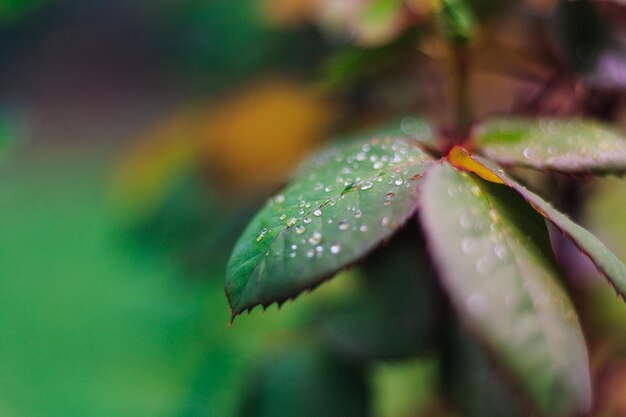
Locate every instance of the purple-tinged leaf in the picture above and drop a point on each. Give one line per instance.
(494, 258)
(605, 260)
(575, 146)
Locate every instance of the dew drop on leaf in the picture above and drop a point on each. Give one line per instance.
(315, 238)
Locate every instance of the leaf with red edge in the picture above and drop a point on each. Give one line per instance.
(605, 260)
(494, 258)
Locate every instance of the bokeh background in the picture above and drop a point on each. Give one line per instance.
(137, 138)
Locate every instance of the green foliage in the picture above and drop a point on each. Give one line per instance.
(340, 205)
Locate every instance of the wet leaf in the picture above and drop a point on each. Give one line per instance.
(494, 258)
(609, 264)
(564, 145)
(304, 381)
(339, 206)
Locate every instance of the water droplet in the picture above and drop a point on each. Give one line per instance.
(465, 220)
(477, 304)
(261, 235)
(399, 182)
(358, 214)
(283, 217)
(310, 253)
(291, 222)
(343, 225)
(319, 249)
(335, 248)
(501, 251)
(384, 221)
(366, 185)
(300, 229)
(307, 220)
(294, 247)
(316, 238)
(468, 245)
(363, 228)
(317, 212)
(475, 191)
(529, 153)
(279, 199)
(484, 265)
(378, 165)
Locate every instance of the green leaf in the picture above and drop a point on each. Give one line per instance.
(494, 258)
(605, 260)
(306, 382)
(339, 206)
(564, 145)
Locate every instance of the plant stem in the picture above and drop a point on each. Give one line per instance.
(461, 93)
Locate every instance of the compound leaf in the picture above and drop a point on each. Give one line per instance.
(565, 145)
(339, 206)
(494, 258)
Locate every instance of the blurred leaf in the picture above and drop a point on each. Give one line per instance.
(564, 145)
(228, 139)
(470, 381)
(495, 261)
(353, 65)
(305, 381)
(394, 316)
(161, 158)
(600, 255)
(367, 23)
(217, 41)
(457, 20)
(340, 205)
(403, 388)
(13, 10)
(259, 134)
(582, 31)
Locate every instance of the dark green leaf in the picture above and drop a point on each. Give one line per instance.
(470, 380)
(494, 257)
(339, 206)
(306, 382)
(564, 145)
(394, 314)
(600, 255)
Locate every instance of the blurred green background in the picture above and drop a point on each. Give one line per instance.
(137, 139)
